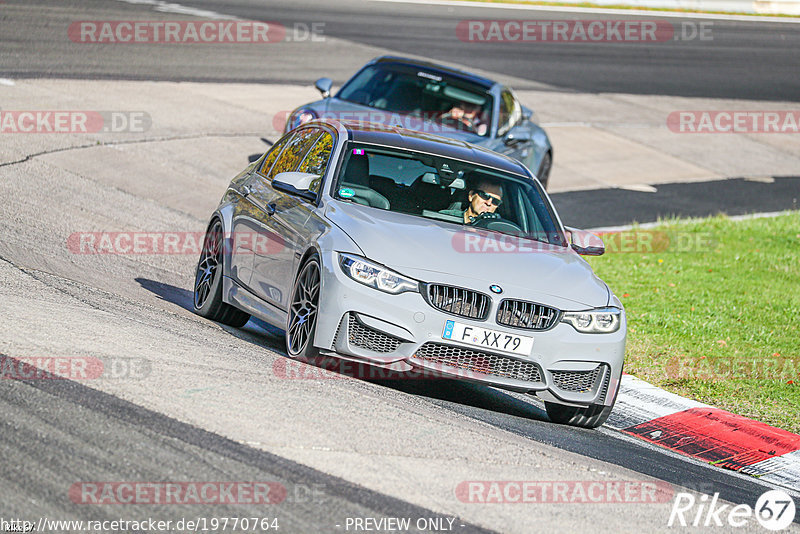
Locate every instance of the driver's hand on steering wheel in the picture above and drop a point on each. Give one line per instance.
(457, 114)
(485, 216)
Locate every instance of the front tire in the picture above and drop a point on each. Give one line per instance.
(207, 300)
(302, 319)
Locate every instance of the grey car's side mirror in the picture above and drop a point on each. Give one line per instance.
(324, 85)
(296, 183)
(585, 243)
(527, 113)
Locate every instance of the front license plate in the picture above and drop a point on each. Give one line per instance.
(488, 339)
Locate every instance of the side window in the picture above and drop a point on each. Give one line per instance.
(510, 112)
(273, 154)
(295, 151)
(316, 161)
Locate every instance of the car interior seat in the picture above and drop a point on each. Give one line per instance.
(459, 200)
(356, 177)
(429, 196)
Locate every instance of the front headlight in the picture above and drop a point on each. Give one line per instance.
(597, 321)
(375, 276)
(298, 117)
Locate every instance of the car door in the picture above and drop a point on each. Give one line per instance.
(246, 214)
(281, 226)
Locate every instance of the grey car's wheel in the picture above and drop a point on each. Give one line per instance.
(208, 282)
(591, 416)
(303, 309)
(544, 169)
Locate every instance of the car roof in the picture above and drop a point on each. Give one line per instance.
(436, 68)
(395, 136)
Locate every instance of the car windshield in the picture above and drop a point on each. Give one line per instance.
(449, 102)
(447, 190)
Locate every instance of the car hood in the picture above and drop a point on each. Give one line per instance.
(334, 108)
(434, 251)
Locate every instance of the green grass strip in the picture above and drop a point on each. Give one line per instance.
(713, 310)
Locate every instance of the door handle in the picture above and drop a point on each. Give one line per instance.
(271, 208)
(246, 190)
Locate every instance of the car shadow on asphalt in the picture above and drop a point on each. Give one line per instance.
(176, 295)
(457, 395)
(255, 331)
(454, 394)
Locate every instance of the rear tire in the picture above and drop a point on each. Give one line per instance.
(207, 300)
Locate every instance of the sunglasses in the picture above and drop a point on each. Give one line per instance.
(489, 198)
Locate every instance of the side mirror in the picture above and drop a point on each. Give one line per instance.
(324, 85)
(527, 113)
(296, 183)
(585, 243)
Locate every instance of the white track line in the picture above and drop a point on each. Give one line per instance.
(646, 226)
(170, 7)
(601, 11)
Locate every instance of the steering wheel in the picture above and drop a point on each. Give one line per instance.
(447, 115)
(483, 220)
(493, 221)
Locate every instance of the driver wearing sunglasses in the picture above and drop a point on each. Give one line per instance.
(486, 197)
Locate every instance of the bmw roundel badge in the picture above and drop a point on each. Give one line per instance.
(496, 289)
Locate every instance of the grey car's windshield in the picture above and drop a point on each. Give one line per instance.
(450, 102)
(444, 189)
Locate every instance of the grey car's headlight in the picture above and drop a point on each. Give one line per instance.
(300, 116)
(376, 276)
(598, 321)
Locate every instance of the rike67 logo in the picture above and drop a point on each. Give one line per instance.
(774, 510)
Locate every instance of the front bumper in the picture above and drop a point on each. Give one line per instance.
(405, 332)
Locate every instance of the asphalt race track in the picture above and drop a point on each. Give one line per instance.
(750, 61)
(195, 402)
(619, 207)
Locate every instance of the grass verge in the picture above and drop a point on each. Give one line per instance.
(713, 310)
